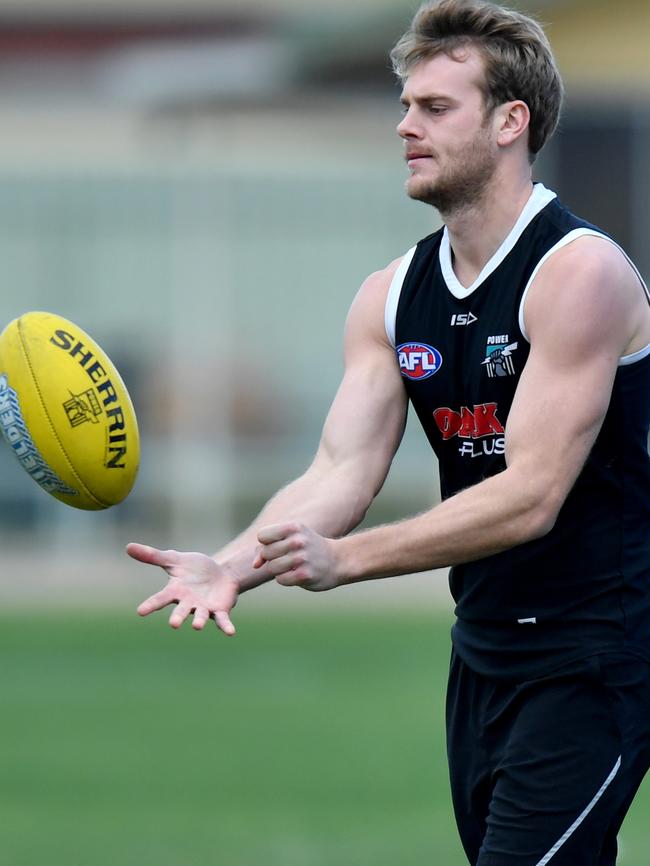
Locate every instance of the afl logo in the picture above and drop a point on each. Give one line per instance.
(418, 361)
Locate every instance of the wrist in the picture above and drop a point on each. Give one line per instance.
(227, 566)
(341, 551)
(238, 567)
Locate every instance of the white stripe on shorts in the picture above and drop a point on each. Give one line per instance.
(578, 821)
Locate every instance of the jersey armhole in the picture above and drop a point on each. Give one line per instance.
(567, 239)
(393, 296)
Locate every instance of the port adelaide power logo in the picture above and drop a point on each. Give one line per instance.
(418, 361)
(498, 356)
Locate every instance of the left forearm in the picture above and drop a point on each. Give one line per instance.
(499, 513)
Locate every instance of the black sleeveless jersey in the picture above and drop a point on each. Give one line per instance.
(584, 588)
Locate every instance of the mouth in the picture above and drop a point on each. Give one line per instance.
(413, 157)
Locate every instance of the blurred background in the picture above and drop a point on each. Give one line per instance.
(203, 188)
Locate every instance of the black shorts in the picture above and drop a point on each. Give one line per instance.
(543, 772)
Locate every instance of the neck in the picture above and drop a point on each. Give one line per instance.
(477, 231)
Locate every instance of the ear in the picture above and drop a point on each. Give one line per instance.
(513, 120)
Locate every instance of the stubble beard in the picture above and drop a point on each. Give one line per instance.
(462, 184)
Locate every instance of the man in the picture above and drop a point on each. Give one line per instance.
(521, 334)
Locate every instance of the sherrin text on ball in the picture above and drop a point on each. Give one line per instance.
(66, 413)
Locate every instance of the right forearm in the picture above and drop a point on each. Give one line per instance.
(328, 502)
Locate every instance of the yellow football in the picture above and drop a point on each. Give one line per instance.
(65, 412)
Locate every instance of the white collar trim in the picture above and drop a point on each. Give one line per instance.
(538, 200)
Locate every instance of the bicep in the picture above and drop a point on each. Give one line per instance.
(365, 424)
(555, 418)
(579, 326)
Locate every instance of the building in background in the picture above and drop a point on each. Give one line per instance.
(204, 192)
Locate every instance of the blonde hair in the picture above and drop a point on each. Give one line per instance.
(519, 62)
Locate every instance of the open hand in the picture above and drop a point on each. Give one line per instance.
(197, 585)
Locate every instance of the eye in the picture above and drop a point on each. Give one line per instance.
(437, 109)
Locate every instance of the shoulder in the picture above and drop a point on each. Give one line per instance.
(378, 283)
(587, 289)
(366, 314)
(592, 254)
(376, 286)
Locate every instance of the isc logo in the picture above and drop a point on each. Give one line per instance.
(463, 319)
(418, 360)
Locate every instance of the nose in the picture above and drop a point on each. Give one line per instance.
(407, 127)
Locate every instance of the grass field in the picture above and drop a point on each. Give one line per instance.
(302, 742)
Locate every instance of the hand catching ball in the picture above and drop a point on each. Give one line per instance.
(65, 412)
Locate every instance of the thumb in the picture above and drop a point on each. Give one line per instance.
(152, 555)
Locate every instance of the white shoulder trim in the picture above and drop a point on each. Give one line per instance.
(538, 200)
(626, 360)
(394, 292)
(563, 242)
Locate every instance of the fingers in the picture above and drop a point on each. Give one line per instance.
(283, 552)
(180, 614)
(156, 602)
(277, 532)
(280, 549)
(284, 564)
(295, 577)
(201, 616)
(224, 623)
(151, 555)
(183, 610)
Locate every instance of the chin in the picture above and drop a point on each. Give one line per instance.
(420, 189)
(416, 187)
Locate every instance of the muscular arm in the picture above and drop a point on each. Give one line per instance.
(584, 311)
(361, 434)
